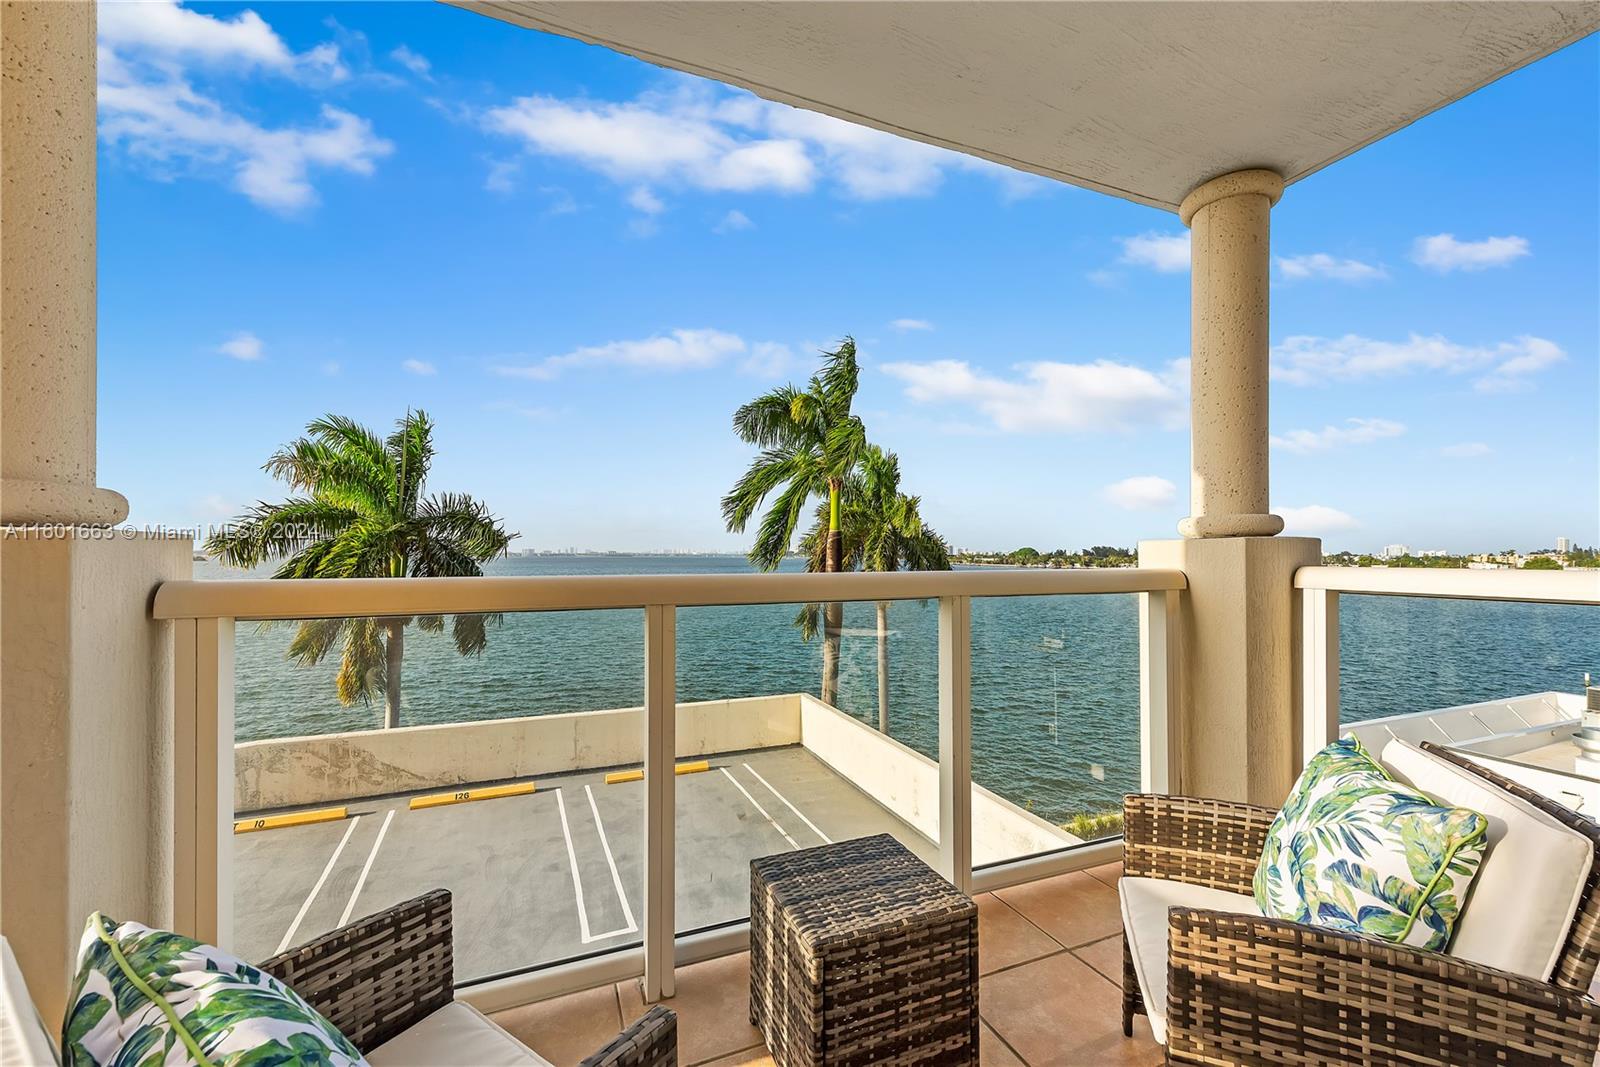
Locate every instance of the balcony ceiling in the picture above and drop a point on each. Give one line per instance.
(1140, 100)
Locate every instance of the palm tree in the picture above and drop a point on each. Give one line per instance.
(881, 530)
(362, 514)
(810, 443)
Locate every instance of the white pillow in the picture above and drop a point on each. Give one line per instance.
(1522, 903)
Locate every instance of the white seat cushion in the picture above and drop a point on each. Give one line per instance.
(457, 1035)
(1145, 904)
(23, 1037)
(1528, 889)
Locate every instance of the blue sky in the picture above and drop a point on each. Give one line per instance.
(580, 264)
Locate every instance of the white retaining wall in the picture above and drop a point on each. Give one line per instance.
(907, 783)
(327, 768)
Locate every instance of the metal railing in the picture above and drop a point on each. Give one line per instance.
(204, 614)
(1318, 590)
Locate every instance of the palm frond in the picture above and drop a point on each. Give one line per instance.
(766, 421)
(471, 632)
(767, 472)
(840, 375)
(315, 638)
(776, 532)
(362, 667)
(464, 524)
(268, 531)
(410, 448)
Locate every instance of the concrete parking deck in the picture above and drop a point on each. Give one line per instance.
(550, 875)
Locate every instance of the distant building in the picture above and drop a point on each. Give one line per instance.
(1433, 553)
(1563, 545)
(1395, 551)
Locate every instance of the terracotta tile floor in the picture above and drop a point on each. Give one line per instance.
(1051, 960)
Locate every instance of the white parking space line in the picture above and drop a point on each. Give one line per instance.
(759, 808)
(616, 879)
(798, 813)
(288, 935)
(366, 868)
(572, 861)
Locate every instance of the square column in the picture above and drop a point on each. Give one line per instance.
(1236, 696)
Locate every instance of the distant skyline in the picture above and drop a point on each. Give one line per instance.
(580, 264)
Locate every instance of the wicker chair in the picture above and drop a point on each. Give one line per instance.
(379, 976)
(1245, 989)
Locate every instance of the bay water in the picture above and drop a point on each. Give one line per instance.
(1055, 679)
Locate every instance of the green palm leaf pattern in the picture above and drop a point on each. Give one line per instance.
(1354, 850)
(233, 1013)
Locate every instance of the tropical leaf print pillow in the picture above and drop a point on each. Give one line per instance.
(1355, 850)
(144, 997)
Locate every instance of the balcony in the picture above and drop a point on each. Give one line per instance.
(611, 835)
(559, 889)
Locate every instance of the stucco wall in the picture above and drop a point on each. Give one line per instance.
(295, 771)
(907, 783)
(86, 768)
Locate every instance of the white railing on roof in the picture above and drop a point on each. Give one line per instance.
(204, 613)
(1318, 589)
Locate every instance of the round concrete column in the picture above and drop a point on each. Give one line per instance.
(47, 260)
(1229, 247)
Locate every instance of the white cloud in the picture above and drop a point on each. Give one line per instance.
(1529, 356)
(1465, 450)
(415, 62)
(642, 199)
(1145, 492)
(1322, 265)
(332, 368)
(533, 414)
(907, 325)
(502, 176)
(1315, 519)
(163, 27)
(733, 221)
(1442, 252)
(1164, 252)
(1318, 360)
(679, 350)
(150, 108)
(724, 141)
(1049, 397)
(1354, 432)
(243, 346)
(420, 367)
(767, 359)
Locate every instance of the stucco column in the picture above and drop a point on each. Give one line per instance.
(86, 690)
(1237, 724)
(47, 265)
(1229, 247)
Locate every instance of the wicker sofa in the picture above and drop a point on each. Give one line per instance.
(1245, 989)
(387, 983)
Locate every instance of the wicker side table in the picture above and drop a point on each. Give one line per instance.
(861, 955)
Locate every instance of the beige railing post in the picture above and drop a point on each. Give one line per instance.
(1319, 669)
(1158, 674)
(955, 740)
(203, 779)
(661, 709)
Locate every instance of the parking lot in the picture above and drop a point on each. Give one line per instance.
(550, 875)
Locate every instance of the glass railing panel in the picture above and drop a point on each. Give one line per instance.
(492, 785)
(1401, 655)
(1055, 721)
(783, 768)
